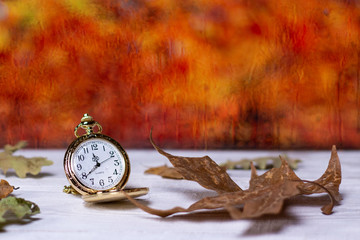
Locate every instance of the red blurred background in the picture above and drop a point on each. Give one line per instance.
(203, 74)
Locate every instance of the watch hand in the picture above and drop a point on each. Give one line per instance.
(94, 168)
(106, 159)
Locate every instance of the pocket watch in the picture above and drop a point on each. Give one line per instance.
(97, 166)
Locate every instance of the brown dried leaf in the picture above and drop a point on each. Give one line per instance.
(5, 188)
(266, 193)
(265, 196)
(202, 170)
(165, 172)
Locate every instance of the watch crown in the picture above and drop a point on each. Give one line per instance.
(86, 119)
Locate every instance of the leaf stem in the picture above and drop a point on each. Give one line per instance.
(327, 209)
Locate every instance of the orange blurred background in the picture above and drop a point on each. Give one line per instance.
(203, 74)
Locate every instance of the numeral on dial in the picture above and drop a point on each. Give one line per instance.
(81, 157)
(110, 180)
(79, 167)
(94, 146)
(83, 176)
(115, 172)
(101, 182)
(116, 162)
(92, 181)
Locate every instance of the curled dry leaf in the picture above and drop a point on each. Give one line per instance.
(165, 172)
(266, 193)
(5, 188)
(265, 196)
(20, 164)
(261, 163)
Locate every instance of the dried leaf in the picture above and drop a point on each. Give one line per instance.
(20, 164)
(261, 163)
(165, 172)
(202, 170)
(5, 188)
(265, 196)
(18, 206)
(266, 193)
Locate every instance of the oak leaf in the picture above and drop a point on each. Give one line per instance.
(266, 193)
(265, 196)
(19, 207)
(21, 164)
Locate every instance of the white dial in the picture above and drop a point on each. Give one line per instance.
(98, 164)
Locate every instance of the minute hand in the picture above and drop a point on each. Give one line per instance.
(106, 160)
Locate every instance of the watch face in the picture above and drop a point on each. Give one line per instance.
(98, 164)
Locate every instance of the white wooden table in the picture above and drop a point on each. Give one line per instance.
(67, 217)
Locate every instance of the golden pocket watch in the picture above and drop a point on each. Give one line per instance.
(96, 166)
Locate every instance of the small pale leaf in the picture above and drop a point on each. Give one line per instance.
(20, 164)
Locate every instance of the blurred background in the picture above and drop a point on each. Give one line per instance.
(205, 74)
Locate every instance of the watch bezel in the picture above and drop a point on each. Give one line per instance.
(69, 171)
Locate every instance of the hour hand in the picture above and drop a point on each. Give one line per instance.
(94, 168)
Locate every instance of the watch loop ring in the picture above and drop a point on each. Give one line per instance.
(87, 123)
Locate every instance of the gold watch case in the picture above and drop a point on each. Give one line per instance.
(70, 172)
